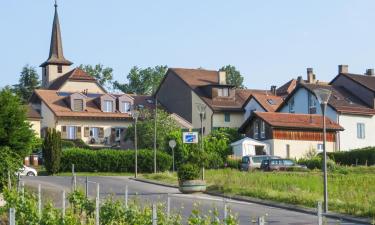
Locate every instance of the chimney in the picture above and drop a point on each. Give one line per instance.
(300, 80)
(343, 69)
(222, 77)
(311, 79)
(370, 72)
(273, 89)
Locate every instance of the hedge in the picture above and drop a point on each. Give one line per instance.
(113, 160)
(363, 156)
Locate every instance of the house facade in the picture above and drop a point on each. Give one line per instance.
(290, 135)
(351, 105)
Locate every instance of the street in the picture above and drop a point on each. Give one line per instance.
(247, 212)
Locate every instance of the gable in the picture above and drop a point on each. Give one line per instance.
(82, 86)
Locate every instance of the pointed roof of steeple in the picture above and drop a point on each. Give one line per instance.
(56, 55)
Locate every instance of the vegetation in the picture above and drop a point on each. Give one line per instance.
(10, 162)
(82, 211)
(104, 75)
(142, 81)
(363, 156)
(112, 160)
(234, 77)
(188, 171)
(52, 151)
(350, 192)
(29, 80)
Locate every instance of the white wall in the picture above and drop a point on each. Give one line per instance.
(48, 118)
(348, 138)
(74, 86)
(252, 105)
(236, 120)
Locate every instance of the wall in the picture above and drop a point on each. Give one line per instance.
(348, 138)
(75, 86)
(196, 122)
(301, 105)
(236, 120)
(298, 149)
(48, 117)
(50, 74)
(35, 126)
(252, 105)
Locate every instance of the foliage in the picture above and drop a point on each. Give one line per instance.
(145, 129)
(142, 81)
(233, 163)
(36, 143)
(188, 171)
(29, 80)
(67, 144)
(112, 160)
(317, 163)
(219, 140)
(197, 218)
(52, 151)
(15, 131)
(10, 162)
(104, 75)
(362, 156)
(234, 77)
(79, 143)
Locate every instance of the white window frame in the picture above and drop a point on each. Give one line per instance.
(319, 147)
(361, 130)
(225, 92)
(108, 106)
(262, 129)
(71, 132)
(126, 106)
(312, 103)
(94, 132)
(220, 92)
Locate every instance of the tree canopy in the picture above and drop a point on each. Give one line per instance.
(28, 81)
(104, 75)
(234, 77)
(142, 81)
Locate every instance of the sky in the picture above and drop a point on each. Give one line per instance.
(270, 42)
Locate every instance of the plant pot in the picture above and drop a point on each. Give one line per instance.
(192, 186)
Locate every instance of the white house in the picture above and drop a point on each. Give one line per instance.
(248, 146)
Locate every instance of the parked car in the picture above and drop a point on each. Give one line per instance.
(27, 171)
(279, 165)
(251, 162)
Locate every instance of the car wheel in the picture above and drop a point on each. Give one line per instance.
(30, 174)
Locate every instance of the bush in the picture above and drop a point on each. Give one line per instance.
(317, 163)
(10, 162)
(363, 156)
(233, 163)
(67, 144)
(52, 151)
(113, 160)
(188, 171)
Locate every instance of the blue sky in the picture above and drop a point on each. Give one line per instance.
(270, 42)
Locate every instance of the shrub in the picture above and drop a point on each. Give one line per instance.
(363, 156)
(52, 151)
(10, 162)
(113, 160)
(188, 171)
(233, 163)
(67, 144)
(317, 163)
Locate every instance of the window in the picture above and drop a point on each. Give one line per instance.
(71, 132)
(361, 131)
(262, 129)
(256, 130)
(320, 148)
(126, 107)
(78, 105)
(108, 106)
(223, 92)
(291, 105)
(287, 151)
(59, 69)
(288, 163)
(94, 132)
(271, 102)
(118, 133)
(226, 117)
(312, 103)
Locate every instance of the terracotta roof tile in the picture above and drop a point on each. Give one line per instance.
(31, 113)
(287, 88)
(269, 102)
(76, 74)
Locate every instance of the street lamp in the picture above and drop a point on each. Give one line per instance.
(201, 108)
(323, 97)
(172, 144)
(135, 115)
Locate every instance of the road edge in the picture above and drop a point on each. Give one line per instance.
(270, 203)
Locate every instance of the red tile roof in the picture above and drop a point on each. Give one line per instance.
(76, 75)
(287, 88)
(269, 102)
(31, 113)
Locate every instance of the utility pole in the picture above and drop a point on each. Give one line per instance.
(155, 129)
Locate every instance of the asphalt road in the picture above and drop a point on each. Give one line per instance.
(148, 193)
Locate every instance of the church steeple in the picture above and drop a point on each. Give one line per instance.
(56, 55)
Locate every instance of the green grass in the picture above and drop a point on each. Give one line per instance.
(352, 193)
(95, 174)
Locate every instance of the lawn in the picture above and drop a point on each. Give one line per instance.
(352, 193)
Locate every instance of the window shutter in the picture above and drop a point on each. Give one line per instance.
(78, 133)
(63, 132)
(101, 132)
(86, 132)
(78, 105)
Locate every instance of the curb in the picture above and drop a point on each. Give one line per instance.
(269, 203)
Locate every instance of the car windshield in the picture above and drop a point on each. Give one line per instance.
(245, 160)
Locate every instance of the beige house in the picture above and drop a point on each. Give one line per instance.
(34, 118)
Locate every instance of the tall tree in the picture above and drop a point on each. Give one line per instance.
(142, 81)
(29, 80)
(104, 75)
(234, 76)
(15, 131)
(52, 151)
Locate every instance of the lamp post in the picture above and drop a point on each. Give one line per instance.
(172, 144)
(323, 97)
(201, 108)
(135, 114)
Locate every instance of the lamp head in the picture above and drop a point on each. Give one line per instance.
(323, 95)
(135, 113)
(201, 108)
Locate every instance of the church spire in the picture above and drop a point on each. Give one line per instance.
(56, 55)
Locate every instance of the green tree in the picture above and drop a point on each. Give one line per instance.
(29, 80)
(142, 81)
(234, 76)
(15, 131)
(104, 75)
(145, 129)
(10, 162)
(52, 151)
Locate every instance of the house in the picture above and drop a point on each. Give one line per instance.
(290, 135)
(351, 105)
(34, 118)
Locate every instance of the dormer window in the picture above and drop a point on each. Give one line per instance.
(125, 106)
(223, 92)
(59, 69)
(108, 106)
(78, 105)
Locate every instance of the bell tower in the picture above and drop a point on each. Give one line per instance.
(56, 65)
